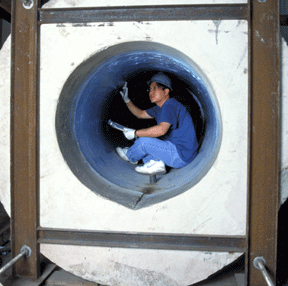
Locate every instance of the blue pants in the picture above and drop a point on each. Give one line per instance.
(147, 149)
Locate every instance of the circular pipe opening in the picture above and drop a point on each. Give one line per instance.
(90, 97)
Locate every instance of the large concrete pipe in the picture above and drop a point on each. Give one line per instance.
(90, 97)
(84, 185)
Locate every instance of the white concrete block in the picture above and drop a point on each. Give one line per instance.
(209, 202)
(216, 205)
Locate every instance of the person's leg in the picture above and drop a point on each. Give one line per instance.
(155, 149)
(122, 153)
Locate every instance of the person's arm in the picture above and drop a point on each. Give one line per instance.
(154, 131)
(139, 113)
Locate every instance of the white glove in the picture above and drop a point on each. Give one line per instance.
(129, 133)
(124, 93)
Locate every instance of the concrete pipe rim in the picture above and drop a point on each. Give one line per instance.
(90, 96)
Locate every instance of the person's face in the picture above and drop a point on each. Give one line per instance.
(157, 94)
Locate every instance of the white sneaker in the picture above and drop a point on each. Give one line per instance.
(122, 153)
(152, 167)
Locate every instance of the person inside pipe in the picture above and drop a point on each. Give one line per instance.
(171, 142)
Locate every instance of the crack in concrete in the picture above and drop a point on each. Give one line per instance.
(139, 199)
(146, 191)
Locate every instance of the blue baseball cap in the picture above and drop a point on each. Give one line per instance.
(161, 78)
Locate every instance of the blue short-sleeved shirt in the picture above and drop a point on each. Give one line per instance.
(182, 132)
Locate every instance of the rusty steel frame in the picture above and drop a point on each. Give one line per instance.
(143, 240)
(263, 169)
(263, 206)
(25, 137)
(143, 13)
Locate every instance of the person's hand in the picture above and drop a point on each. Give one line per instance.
(124, 93)
(129, 133)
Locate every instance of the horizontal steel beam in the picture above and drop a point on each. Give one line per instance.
(144, 13)
(142, 240)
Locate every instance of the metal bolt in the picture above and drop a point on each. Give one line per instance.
(153, 179)
(259, 263)
(27, 4)
(24, 251)
(27, 250)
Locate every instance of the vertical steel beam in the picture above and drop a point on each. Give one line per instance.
(24, 137)
(264, 164)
